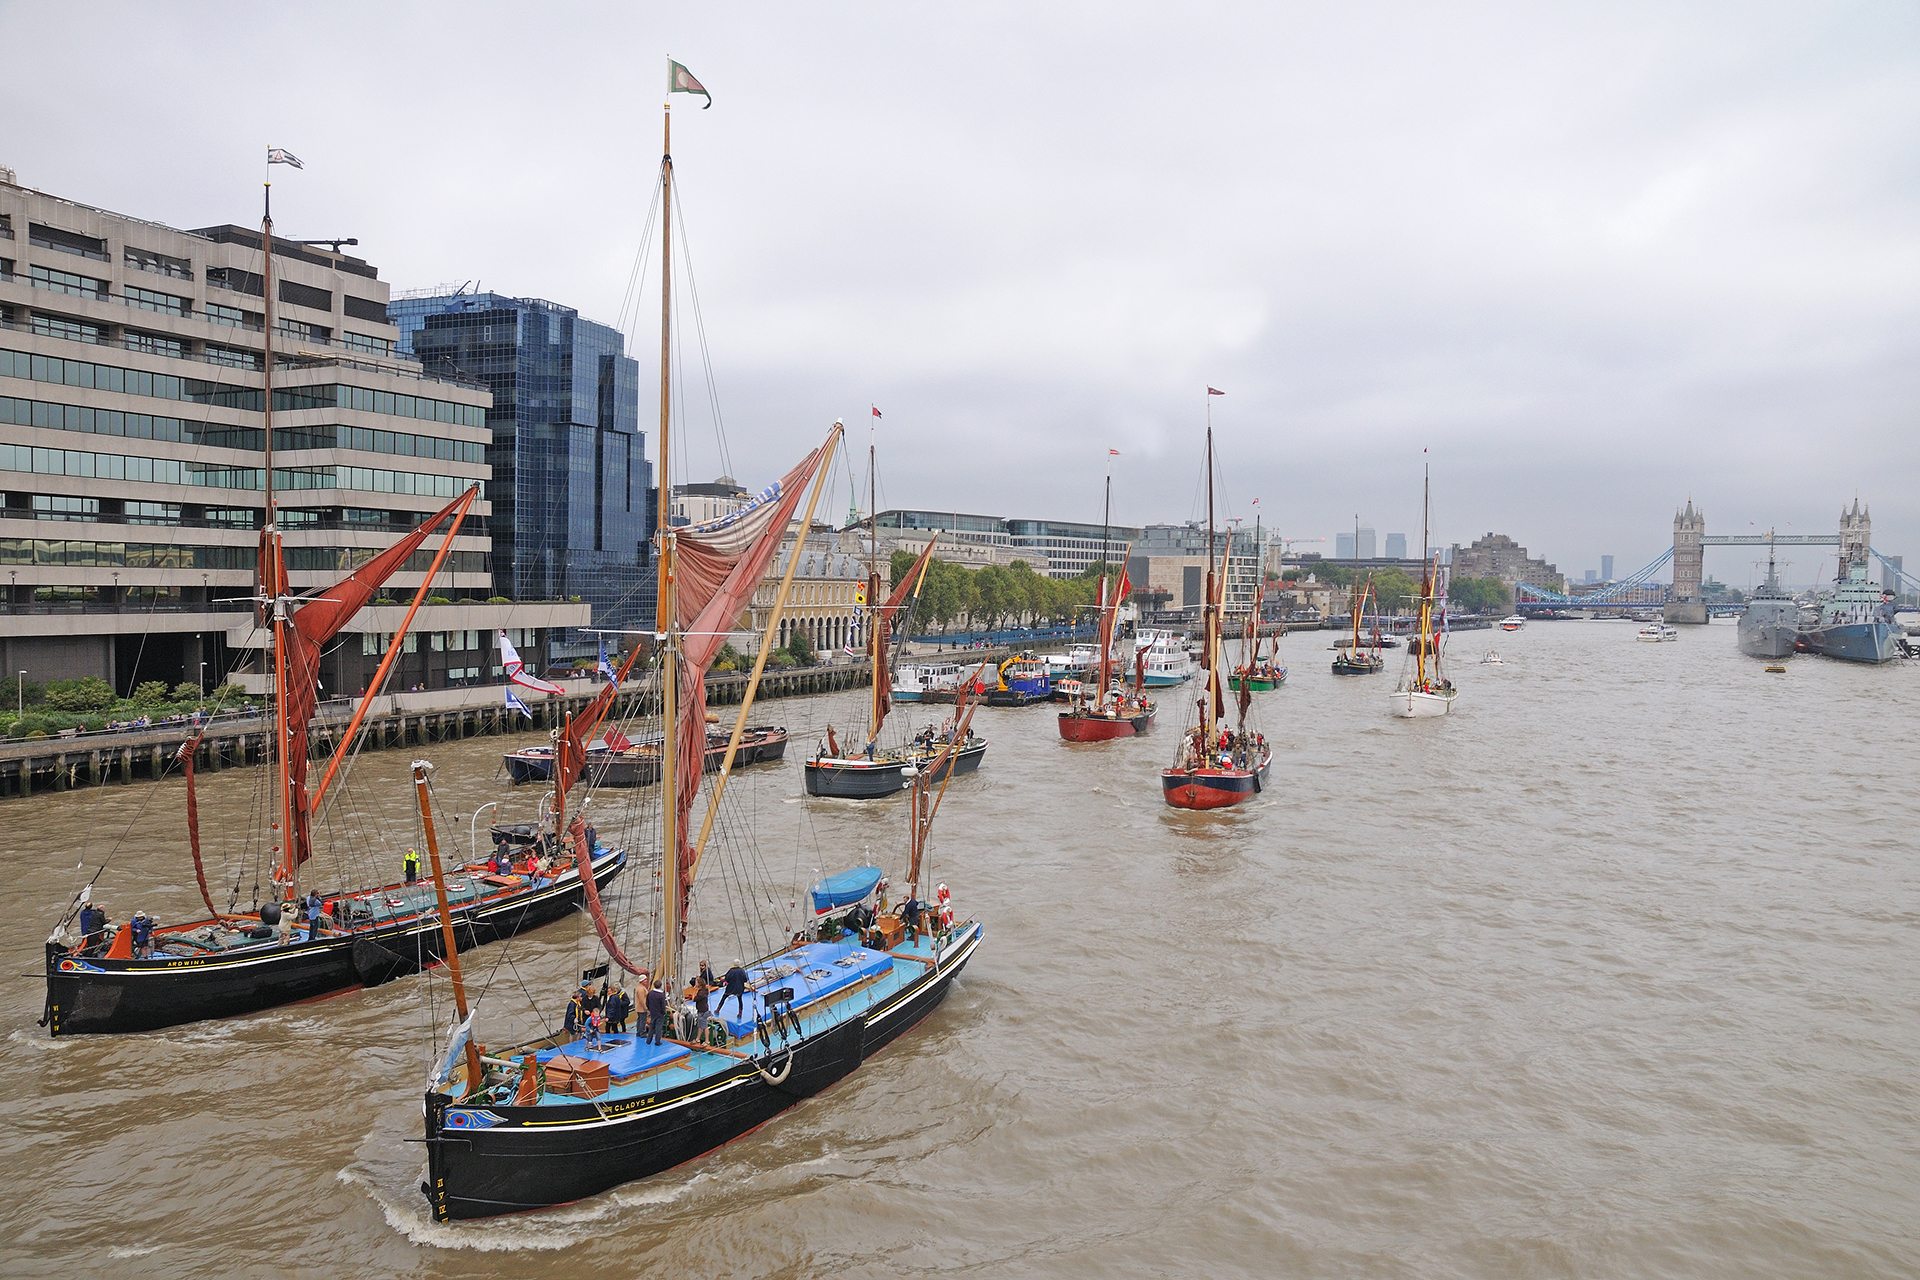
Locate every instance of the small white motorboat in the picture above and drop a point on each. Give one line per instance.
(1655, 632)
(1493, 659)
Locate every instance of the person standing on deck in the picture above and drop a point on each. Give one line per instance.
(736, 989)
(702, 997)
(576, 1012)
(656, 1014)
(411, 865)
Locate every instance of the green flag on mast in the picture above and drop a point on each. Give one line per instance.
(680, 80)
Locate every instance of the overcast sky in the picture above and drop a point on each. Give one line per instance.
(1597, 259)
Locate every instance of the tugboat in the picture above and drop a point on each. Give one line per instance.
(1023, 682)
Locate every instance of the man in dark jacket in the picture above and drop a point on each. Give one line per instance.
(736, 989)
(576, 1012)
(92, 922)
(656, 1014)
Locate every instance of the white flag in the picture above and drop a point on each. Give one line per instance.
(280, 155)
(517, 670)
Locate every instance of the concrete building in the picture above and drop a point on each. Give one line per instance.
(1495, 555)
(1170, 562)
(824, 598)
(1606, 568)
(570, 468)
(1053, 548)
(699, 503)
(1396, 546)
(131, 390)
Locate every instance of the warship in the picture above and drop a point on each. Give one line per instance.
(1771, 623)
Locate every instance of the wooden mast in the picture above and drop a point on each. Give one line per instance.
(451, 948)
(1103, 634)
(273, 570)
(875, 641)
(1210, 617)
(664, 616)
(1424, 620)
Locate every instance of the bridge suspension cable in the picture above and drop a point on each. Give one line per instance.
(1610, 594)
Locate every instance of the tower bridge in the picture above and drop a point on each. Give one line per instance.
(1682, 601)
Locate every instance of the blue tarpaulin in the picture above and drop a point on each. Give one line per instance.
(844, 888)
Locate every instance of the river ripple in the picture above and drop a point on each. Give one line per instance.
(1611, 973)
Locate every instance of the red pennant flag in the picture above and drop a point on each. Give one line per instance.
(876, 409)
(1214, 391)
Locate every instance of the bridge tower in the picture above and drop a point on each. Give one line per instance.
(1856, 536)
(1689, 562)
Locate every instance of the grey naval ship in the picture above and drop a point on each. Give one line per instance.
(1771, 624)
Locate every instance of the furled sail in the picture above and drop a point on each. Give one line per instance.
(717, 566)
(315, 623)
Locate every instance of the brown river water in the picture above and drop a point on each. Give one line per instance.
(1613, 972)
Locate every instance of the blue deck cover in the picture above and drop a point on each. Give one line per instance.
(818, 969)
(843, 888)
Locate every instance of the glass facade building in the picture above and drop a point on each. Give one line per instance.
(570, 471)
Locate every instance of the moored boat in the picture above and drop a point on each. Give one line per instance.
(1167, 661)
(1023, 681)
(625, 763)
(1856, 620)
(1770, 624)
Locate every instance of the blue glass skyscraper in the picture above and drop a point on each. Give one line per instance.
(570, 470)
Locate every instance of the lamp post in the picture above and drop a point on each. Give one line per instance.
(203, 679)
(20, 696)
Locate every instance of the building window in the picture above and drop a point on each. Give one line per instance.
(153, 344)
(66, 282)
(158, 263)
(365, 309)
(56, 506)
(64, 327)
(67, 242)
(301, 331)
(237, 280)
(149, 300)
(366, 342)
(153, 513)
(234, 317)
(232, 357)
(303, 295)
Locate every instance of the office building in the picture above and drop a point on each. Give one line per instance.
(1396, 546)
(1495, 555)
(1052, 548)
(1368, 546)
(570, 471)
(1343, 546)
(1606, 568)
(131, 453)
